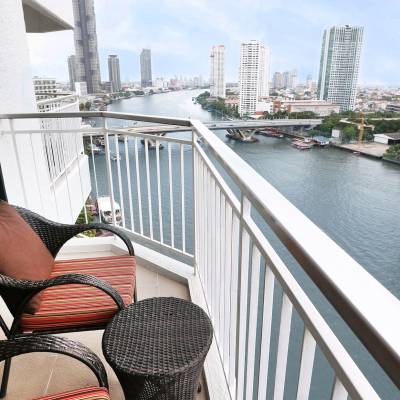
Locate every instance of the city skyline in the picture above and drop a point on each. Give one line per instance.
(294, 35)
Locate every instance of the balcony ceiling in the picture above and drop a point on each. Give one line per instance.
(39, 19)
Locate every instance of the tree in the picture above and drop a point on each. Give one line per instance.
(88, 105)
(81, 106)
(393, 152)
(349, 133)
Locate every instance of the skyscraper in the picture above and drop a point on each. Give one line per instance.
(253, 75)
(114, 73)
(72, 72)
(277, 81)
(339, 65)
(290, 79)
(145, 68)
(217, 73)
(87, 56)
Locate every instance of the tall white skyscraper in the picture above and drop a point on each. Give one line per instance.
(340, 64)
(217, 73)
(253, 75)
(114, 73)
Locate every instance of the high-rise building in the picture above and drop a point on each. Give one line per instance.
(114, 73)
(339, 65)
(86, 54)
(145, 68)
(72, 72)
(253, 75)
(290, 79)
(277, 81)
(217, 73)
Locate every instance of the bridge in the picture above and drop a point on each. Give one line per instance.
(238, 124)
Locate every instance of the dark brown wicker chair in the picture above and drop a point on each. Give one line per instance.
(17, 293)
(53, 344)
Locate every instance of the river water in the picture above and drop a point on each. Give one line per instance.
(355, 200)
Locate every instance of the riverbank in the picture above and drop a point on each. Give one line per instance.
(373, 150)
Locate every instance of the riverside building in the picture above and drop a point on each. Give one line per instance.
(339, 65)
(114, 73)
(217, 75)
(145, 68)
(85, 36)
(253, 75)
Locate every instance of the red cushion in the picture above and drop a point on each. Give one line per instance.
(90, 393)
(75, 306)
(23, 255)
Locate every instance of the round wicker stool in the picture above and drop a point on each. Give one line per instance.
(157, 348)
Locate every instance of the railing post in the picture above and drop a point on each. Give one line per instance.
(21, 178)
(194, 202)
(241, 332)
(109, 170)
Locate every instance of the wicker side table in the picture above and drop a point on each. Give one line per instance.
(157, 348)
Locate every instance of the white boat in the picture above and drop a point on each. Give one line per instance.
(105, 210)
(115, 157)
(95, 149)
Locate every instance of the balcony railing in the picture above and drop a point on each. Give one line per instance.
(193, 198)
(61, 149)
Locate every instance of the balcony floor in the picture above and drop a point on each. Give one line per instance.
(35, 375)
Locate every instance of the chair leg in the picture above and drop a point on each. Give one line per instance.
(6, 375)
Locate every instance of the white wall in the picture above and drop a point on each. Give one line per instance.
(378, 138)
(22, 156)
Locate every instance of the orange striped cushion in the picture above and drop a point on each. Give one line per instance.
(73, 306)
(91, 393)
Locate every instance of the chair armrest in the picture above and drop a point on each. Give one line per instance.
(54, 234)
(54, 344)
(111, 228)
(34, 287)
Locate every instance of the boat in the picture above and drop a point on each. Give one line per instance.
(115, 157)
(269, 133)
(93, 149)
(151, 145)
(356, 153)
(301, 144)
(104, 209)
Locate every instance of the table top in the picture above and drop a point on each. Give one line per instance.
(159, 337)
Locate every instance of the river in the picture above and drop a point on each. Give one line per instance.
(355, 200)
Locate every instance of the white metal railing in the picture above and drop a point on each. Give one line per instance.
(61, 148)
(178, 198)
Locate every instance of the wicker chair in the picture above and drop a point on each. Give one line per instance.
(101, 296)
(53, 344)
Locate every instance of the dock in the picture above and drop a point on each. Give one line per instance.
(373, 150)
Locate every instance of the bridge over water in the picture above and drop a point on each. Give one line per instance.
(218, 125)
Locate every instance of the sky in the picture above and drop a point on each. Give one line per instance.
(181, 33)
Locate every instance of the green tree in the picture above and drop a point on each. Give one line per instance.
(81, 106)
(349, 133)
(393, 152)
(88, 105)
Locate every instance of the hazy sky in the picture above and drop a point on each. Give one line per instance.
(180, 34)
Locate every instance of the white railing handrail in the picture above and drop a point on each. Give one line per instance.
(358, 297)
(102, 114)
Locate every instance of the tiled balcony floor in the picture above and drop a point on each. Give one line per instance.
(34, 375)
